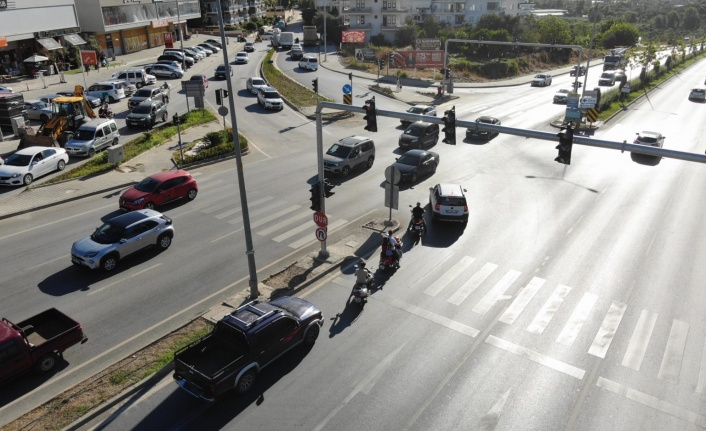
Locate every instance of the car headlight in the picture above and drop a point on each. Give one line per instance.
(138, 201)
(15, 175)
(91, 254)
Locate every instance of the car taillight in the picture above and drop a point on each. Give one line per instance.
(465, 208)
(437, 207)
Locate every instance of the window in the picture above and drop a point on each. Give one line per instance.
(359, 4)
(48, 153)
(113, 127)
(106, 130)
(360, 19)
(8, 351)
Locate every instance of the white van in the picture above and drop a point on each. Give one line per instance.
(93, 136)
(112, 91)
(135, 76)
(309, 63)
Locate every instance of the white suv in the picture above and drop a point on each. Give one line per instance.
(541, 80)
(309, 63)
(448, 203)
(269, 98)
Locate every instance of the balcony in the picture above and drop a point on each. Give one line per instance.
(395, 9)
(358, 10)
(354, 26)
(390, 27)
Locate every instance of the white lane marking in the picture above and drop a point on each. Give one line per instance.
(284, 223)
(124, 279)
(260, 221)
(701, 383)
(223, 204)
(267, 209)
(552, 363)
(546, 313)
(419, 271)
(523, 298)
(222, 215)
(436, 318)
(309, 224)
(490, 421)
(494, 294)
(639, 340)
(578, 318)
(364, 386)
(34, 228)
(650, 401)
(606, 332)
(307, 239)
(472, 284)
(448, 276)
(674, 353)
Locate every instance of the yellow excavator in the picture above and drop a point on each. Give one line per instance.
(68, 113)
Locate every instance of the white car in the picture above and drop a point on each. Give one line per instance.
(5, 90)
(309, 62)
(269, 98)
(651, 139)
(206, 51)
(38, 110)
(25, 165)
(541, 80)
(241, 58)
(562, 95)
(254, 84)
(448, 203)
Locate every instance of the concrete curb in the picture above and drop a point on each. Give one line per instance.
(137, 387)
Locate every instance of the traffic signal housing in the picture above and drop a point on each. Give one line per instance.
(566, 141)
(448, 73)
(449, 126)
(315, 84)
(370, 115)
(391, 58)
(315, 197)
(221, 95)
(328, 188)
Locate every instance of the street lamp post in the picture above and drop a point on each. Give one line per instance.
(325, 41)
(183, 54)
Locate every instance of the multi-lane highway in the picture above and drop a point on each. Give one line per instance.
(571, 300)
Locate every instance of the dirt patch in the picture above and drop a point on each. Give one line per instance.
(287, 280)
(91, 393)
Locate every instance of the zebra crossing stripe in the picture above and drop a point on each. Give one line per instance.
(293, 231)
(546, 313)
(701, 383)
(494, 294)
(436, 318)
(524, 297)
(310, 237)
(578, 318)
(674, 353)
(283, 223)
(547, 361)
(260, 221)
(606, 332)
(441, 282)
(639, 340)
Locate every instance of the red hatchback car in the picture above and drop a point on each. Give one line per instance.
(159, 189)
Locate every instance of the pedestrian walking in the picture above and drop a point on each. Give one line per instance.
(399, 85)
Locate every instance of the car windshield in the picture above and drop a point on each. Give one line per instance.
(415, 130)
(408, 159)
(338, 151)
(41, 105)
(107, 234)
(18, 160)
(221, 67)
(648, 139)
(241, 54)
(83, 135)
(139, 109)
(416, 110)
(148, 185)
(488, 120)
(258, 82)
(143, 93)
(563, 91)
(456, 201)
(271, 95)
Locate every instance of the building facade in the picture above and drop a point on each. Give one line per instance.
(234, 12)
(125, 26)
(30, 27)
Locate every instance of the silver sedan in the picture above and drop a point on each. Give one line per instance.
(38, 110)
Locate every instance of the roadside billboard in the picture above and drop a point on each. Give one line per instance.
(419, 58)
(351, 36)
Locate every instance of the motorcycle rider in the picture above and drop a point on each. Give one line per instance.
(363, 275)
(105, 111)
(417, 214)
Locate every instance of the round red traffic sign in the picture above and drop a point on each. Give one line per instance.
(320, 219)
(321, 234)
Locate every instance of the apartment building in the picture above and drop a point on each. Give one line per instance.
(234, 12)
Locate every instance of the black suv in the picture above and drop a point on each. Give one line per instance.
(419, 135)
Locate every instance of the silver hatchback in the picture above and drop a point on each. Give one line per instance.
(122, 236)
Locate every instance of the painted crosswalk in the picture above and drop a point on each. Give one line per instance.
(271, 217)
(469, 283)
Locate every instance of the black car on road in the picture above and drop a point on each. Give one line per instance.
(416, 163)
(473, 133)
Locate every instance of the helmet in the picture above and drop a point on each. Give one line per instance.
(419, 204)
(362, 264)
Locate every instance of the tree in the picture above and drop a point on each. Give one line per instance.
(406, 35)
(308, 11)
(430, 26)
(672, 19)
(554, 30)
(691, 20)
(621, 34)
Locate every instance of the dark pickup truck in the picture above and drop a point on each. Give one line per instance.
(36, 343)
(244, 342)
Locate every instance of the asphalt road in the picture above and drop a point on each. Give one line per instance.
(596, 246)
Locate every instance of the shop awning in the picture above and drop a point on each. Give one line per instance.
(49, 44)
(74, 39)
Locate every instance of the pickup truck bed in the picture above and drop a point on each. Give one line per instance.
(213, 354)
(45, 326)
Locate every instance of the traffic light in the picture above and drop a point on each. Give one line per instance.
(315, 84)
(448, 73)
(449, 126)
(391, 58)
(350, 76)
(370, 115)
(315, 197)
(225, 93)
(381, 63)
(219, 98)
(566, 140)
(328, 188)
(443, 73)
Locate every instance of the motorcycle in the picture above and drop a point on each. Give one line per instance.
(361, 291)
(105, 112)
(390, 261)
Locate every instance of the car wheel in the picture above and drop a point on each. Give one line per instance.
(174, 75)
(192, 194)
(246, 381)
(45, 363)
(371, 160)
(43, 118)
(138, 85)
(111, 99)
(91, 152)
(164, 241)
(27, 179)
(61, 165)
(150, 205)
(345, 171)
(312, 334)
(109, 262)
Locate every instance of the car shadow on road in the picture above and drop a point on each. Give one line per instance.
(645, 160)
(22, 385)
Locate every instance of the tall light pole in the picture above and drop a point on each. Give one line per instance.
(325, 42)
(249, 248)
(593, 17)
(183, 54)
